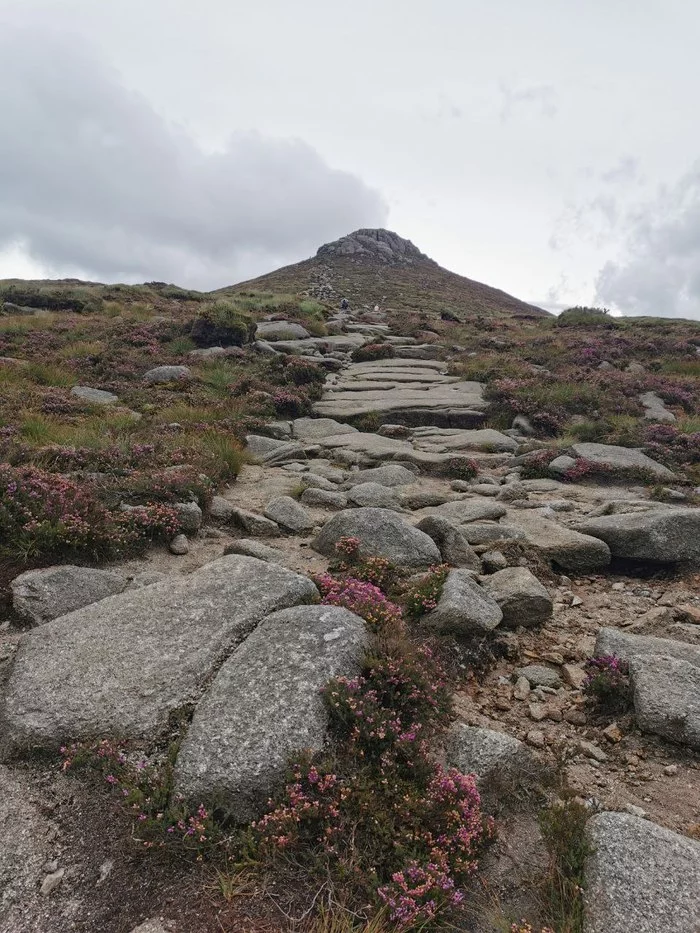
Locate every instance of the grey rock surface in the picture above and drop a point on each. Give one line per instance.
(640, 877)
(311, 429)
(491, 756)
(179, 545)
(521, 596)
(264, 704)
(655, 409)
(41, 595)
(488, 532)
(660, 536)
(453, 546)
(315, 481)
(464, 608)
(381, 533)
(324, 499)
(167, 374)
(94, 396)
(620, 458)
(221, 509)
(255, 524)
(270, 451)
(537, 675)
(123, 665)
(280, 330)
(568, 548)
(251, 548)
(627, 646)
(561, 464)
(289, 514)
(373, 495)
(190, 517)
(392, 474)
(471, 510)
(666, 695)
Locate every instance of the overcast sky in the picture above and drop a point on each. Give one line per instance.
(551, 149)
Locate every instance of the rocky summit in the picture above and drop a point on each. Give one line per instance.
(308, 581)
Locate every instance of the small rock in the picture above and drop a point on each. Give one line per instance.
(537, 675)
(255, 549)
(167, 374)
(576, 717)
(521, 691)
(94, 396)
(535, 738)
(255, 524)
(537, 712)
(105, 871)
(635, 811)
(190, 517)
(670, 770)
(493, 561)
(321, 498)
(179, 545)
(521, 596)
(52, 881)
(573, 676)
(592, 751)
(221, 509)
(463, 608)
(289, 514)
(613, 733)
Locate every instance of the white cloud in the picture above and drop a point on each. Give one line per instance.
(659, 271)
(93, 179)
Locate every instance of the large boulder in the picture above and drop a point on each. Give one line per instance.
(492, 756)
(623, 460)
(665, 678)
(464, 608)
(454, 547)
(373, 495)
(289, 514)
(640, 877)
(666, 695)
(521, 596)
(264, 705)
(662, 536)
(381, 533)
(41, 595)
(569, 549)
(124, 665)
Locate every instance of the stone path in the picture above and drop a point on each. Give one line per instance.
(235, 639)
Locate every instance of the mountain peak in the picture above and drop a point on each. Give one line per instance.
(376, 245)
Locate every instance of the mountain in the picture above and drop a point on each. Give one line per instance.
(371, 267)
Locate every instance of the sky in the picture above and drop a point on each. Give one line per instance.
(549, 149)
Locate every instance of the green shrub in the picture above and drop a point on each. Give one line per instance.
(223, 324)
(564, 830)
(586, 317)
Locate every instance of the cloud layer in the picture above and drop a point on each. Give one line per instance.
(93, 179)
(659, 273)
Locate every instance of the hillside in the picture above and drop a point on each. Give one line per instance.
(341, 621)
(371, 267)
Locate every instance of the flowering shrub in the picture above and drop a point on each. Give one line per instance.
(607, 682)
(300, 372)
(291, 404)
(376, 570)
(424, 595)
(42, 514)
(360, 597)
(460, 468)
(372, 351)
(537, 465)
(144, 792)
(382, 814)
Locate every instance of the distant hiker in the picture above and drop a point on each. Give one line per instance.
(344, 304)
(376, 309)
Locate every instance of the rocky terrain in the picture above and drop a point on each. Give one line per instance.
(270, 602)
